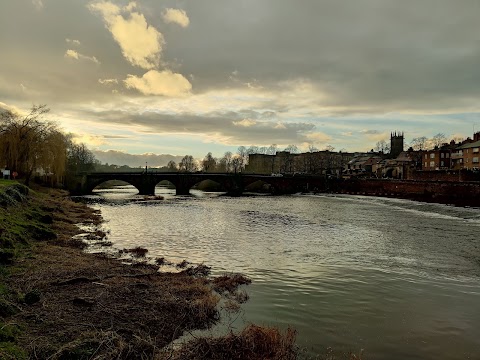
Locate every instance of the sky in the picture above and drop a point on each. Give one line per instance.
(195, 76)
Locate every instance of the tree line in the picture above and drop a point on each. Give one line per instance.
(231, 162)
(29, 142)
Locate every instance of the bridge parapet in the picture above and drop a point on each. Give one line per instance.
(234, 184)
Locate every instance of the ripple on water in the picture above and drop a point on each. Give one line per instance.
(395, 277)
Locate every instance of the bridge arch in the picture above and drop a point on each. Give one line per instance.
(93, 184)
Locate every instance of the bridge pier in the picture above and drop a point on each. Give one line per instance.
(146, 189)
(182, 190)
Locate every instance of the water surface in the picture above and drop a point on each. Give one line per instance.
(398, 278)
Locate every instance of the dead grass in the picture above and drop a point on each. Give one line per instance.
(92, 306)
(253, 343)
(229, 282)
(137, 252)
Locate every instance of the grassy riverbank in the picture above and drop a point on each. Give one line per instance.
(58, 302)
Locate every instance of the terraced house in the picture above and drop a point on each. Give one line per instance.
(467, 155)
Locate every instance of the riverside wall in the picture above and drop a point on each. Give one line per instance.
(449, 192)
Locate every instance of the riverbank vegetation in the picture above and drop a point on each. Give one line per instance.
(31, 143)
(58, 302)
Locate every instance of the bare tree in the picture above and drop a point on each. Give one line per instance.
(272, 149)
(172, 166)
(187, 164)
(419, 143)
(439, 139)
(292, 149)
(79, 159)
(225, 163)
(243, 156)
(382, 146)
(209, 163)
(237, 164)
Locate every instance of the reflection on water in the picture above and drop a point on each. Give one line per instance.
(397, 278)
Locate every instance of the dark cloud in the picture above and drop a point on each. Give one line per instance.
(230, 127)
(290, 66)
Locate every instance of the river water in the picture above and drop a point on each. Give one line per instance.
(397, 278)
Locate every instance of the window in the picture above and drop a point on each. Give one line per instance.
(475, 160)
(432, 164)
(475, 150)
(432, 156)
(442, 163)
(447, 155)
(442, 155)
(426, 164)
(426, 156)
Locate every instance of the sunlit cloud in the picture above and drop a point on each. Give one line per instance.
(176, 16)
(245, 123)
(12, 108)
(90, 140)
(77, 56)
(318, 137)
(108, 81)
(141, 43)
(73, 42)
(38, 4)
(165, 83)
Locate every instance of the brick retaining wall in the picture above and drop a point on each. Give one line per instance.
(459, 193)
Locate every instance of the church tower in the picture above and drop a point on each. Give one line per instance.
(396, 144)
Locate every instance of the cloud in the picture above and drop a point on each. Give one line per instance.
(73, 42)
(11, 108)
(165, 83)
(214, 127)
(134, 160)
(245, 122)
(176, 16)
(38, 4)
(141, 44)
(77, 56)
(108, 81)
(317, 137)
(72, 54)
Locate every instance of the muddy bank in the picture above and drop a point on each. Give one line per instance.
(58, 302)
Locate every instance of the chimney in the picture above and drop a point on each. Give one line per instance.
(476, 136)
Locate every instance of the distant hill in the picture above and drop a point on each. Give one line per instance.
(134, 160)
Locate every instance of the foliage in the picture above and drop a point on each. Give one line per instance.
(28, 142)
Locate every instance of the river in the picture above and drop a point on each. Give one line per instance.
(397, 278)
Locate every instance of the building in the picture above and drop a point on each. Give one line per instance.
(436, 159)
(396, 144)
(467, 154)
(314, 163)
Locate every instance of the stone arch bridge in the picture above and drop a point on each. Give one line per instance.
(233, 184)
